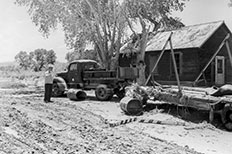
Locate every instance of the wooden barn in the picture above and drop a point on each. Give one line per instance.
(202, 54)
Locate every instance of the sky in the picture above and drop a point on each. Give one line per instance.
(18, 33)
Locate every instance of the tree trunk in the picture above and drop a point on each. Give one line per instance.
(140, 57)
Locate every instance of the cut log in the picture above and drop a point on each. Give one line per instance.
(195, 100)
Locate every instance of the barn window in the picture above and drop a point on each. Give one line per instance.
(179, 60)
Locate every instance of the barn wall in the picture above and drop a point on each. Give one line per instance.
(190, 64)
(163, 68)
(209, 48)
(228, 68)
(194, 60)
(190, 67)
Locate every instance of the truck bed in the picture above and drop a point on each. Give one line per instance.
(99, 74)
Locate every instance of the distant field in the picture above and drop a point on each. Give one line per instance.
(11, 76)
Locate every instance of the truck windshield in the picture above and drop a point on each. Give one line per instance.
(73, 67)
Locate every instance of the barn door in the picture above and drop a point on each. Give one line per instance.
(219, 70)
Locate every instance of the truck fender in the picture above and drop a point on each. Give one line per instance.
(61, 83)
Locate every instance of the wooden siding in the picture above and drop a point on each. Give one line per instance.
(209, 48)
(194, 60)
(189, 65)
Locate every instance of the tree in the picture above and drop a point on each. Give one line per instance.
(98, 21)
(36, 59)
(42, 57)
(23, 59)
(230, 3)
(151, 15)
(50, 57)
(71, 56)
(87, 54)
(103, 22)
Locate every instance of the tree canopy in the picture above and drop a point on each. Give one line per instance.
(36, 59)
(23, 59)
(151, 15)
(102, 22)
(87, 54)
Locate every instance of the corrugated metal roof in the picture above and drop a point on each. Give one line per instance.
(186, 37)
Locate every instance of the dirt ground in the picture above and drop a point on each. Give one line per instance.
(28, 125)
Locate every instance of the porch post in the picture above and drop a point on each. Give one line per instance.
(175, 67)
(212, 58)
(160, 56)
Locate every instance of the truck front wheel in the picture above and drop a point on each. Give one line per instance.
(103, 93)
(56, 92)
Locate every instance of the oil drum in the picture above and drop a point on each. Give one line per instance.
(76, 94)
(131, 106)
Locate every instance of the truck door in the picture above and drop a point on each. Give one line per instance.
(74, 76)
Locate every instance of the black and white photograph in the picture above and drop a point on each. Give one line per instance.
(115, 76)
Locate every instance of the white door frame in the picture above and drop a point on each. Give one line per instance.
(219, 70)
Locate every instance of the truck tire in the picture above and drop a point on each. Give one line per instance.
(103, 93)
(56, 92)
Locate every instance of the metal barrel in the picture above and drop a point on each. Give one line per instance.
(131, 106)
(76, 94)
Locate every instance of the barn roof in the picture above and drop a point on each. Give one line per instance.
(186, 37)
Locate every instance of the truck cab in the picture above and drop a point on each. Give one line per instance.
(76, 71)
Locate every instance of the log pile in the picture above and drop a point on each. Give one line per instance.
(198, 98)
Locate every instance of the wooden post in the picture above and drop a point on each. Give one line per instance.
(212, 58)
(175, 67)
(229, 52)
(160, 56)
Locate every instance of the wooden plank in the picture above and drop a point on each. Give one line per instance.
(212, 58)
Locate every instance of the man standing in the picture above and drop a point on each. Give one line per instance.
(49, 75)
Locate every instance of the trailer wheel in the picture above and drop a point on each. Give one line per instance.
(103, 93)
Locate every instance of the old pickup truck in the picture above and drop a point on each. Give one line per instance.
(87, 74)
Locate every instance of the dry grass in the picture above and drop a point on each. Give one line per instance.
(11, 76)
